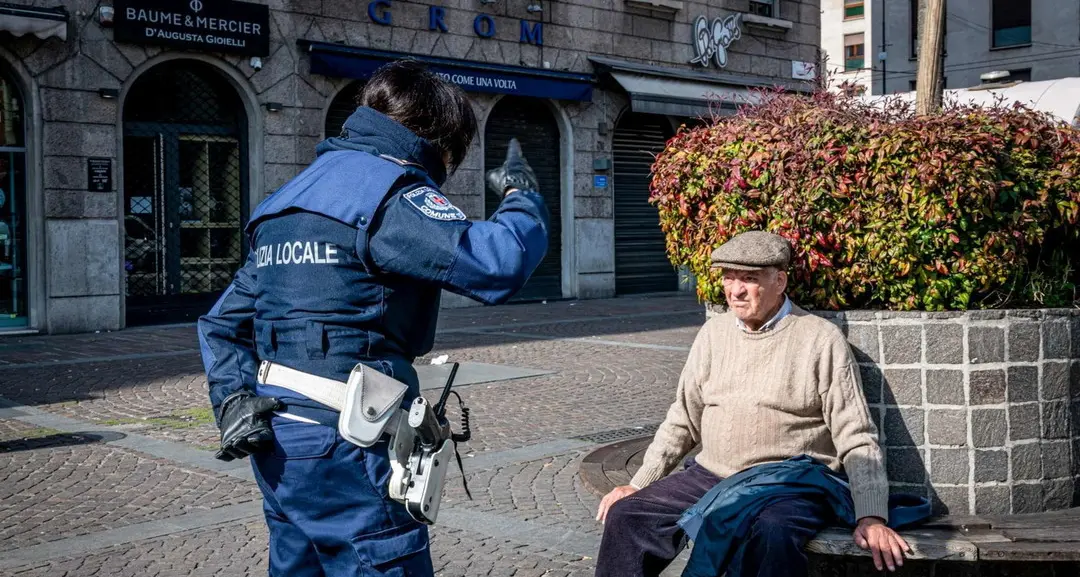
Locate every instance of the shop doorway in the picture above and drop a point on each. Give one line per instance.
(14, 293)
(185, 191)
(533, 124)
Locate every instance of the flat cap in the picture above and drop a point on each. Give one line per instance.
(753, 250)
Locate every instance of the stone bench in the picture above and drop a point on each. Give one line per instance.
(1052, 536)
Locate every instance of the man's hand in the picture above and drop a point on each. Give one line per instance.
(611, 498)
(884, 544)
(245, 428)
(515, 173)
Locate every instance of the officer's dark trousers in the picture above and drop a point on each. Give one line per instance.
(641, 535)
(328, 511)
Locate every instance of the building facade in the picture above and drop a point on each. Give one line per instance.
(875, 43)
(137, 136)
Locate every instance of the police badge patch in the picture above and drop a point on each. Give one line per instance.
(432, 204)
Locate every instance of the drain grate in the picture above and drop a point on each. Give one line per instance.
(619, 434)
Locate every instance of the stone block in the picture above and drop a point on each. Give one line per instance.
(903, 344)
(1027, 462)
(83, 258)
(1024, 422)
(1055, 337)
(79, 204)
(595, 240)
(1074, 380)
(652, 28)
(1055, 380)
(986, 315)
(986, 344)
(988, 427)
(905, 465)
(1055, 420)
(1023, 385)
(872, 382)
(904, 427)
(1074, 336)
(949, 466)
(951, 500)
(1056, 460)
(1027, 498)
(76, 106)
(993, 500)
(991, 466)
(947, 427)
(1059, 494)
(280, 149)
(903, 387)
(84, 314)
(1024, 342)
(987, 387)
(598, 207)
(596, 285)
(67, 172)
(73, 139)
(630, 47)
(946, 387)
(945, 344)
(864, 342)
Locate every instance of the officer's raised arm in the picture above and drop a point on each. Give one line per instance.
(421, 234)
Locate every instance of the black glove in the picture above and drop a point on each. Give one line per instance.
(245, 426)
(514, 173)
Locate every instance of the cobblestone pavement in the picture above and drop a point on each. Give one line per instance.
(105, 445)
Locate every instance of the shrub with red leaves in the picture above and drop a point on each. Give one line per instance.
(968, 208)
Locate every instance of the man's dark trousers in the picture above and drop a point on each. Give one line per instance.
(642, 537)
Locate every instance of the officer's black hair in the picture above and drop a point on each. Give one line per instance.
(435, 110)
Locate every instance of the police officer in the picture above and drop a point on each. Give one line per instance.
(347, 263)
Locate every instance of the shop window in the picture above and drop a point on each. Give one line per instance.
(853, 9)
(767, 8)
(1011, 23)
(13, 269)
(854, 51)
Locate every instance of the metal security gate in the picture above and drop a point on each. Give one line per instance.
(341, 108)
(641, 262)
(531, 122)
(185, 183)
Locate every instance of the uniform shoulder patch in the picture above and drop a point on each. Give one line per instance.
(432, 204)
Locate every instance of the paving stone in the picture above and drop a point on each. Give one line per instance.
(986, 345)
(864, 342)
(905, 465)
(1055, 380)
(951, 501)
(902, 344)
(1055, 420)
(1027, 462)
(1056, 460)
(993, 500)
(903, 386)
(904, 427)
(987, 387)
(1027, 498)
(949, 466)
(1055, 337)
(947, 427)
(872, 382)
(988, 427)
(1023, 384)
(946, 387)
(945, 344)
(1024, 422)
(1024, 344)
(991, 466)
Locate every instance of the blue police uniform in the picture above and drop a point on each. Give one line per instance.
(346, 265)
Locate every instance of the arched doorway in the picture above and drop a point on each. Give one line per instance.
(341, 108)
(185, 191)
(14, 292)
(532, 123)
(641, 262)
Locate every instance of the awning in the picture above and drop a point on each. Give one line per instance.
(681, 93)
(41, 22)
(344, 61)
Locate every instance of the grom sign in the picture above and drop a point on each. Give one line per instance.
(207, 25)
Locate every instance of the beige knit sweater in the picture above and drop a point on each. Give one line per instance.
(752, 398)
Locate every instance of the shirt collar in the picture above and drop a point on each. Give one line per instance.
(784, 311)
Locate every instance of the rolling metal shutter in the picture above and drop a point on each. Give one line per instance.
(341, 108)
(531, 122)
(641, 262)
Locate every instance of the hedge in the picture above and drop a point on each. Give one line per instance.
(967, 208)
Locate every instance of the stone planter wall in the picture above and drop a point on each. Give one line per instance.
(979, 410)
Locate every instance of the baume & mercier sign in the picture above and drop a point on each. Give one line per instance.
(208, 25)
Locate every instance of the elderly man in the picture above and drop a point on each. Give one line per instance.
(764, 382)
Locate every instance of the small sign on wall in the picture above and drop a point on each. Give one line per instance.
(803, 70)
(599, 181)
(99, 174)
